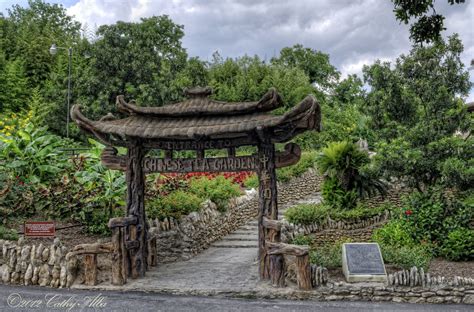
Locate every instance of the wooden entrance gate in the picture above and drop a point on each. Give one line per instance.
(199, 124)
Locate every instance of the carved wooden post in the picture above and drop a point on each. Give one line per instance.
(119, 269)
(90, 269)
(137, 235)
(152, 257)
(267, 201)
(303, 272)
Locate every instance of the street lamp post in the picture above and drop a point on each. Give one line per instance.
(53, 50)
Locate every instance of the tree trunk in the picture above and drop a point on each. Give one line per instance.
(267, 202)
(90, 269)
(277, 270)
(136, 207)
(119, 274)
(303, 272)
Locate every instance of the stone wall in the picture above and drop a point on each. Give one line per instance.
(184, 238)
(330, 231)
(380, 292)
(37, 265)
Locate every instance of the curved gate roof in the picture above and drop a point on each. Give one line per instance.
(201, 118)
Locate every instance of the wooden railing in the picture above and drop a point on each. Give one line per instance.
(118, 248)
(277, 251)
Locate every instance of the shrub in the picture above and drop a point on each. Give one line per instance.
(219, 190)
(251, 181)
(433, 215)
(407, 256)
(335, 196)
(459, 245)
(329, 256)
(175, 204)
(395, 234)
(348, 175)
(302, 240)
(8, 234)
(307, 213)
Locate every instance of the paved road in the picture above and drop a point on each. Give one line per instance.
(32, 298)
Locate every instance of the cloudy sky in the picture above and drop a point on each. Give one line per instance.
(353, 32)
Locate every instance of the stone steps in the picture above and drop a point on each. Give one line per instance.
(247, 228)
(241, 237)
(235, 244)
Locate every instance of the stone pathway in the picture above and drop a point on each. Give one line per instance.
(227, 266)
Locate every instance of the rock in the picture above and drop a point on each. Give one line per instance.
(44, 275)
(468, 299)
(28, 275)
(422, 277)
(435, 300)
(63, 276)
(35, 277)
(39, 251)
(15, 277)
(6, 274)
(45, 254)
(427, 294)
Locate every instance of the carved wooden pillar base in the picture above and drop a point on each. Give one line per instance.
(267, 202)
(136, 236)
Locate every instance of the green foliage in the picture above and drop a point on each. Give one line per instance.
(341, 160)
(32, 153)
(416, 110)
(335, 196)
(315, 64)
(400, 248)
(425, 28)
(106, 187)
(251, 181)
(139, 60)
(307, 161)
(8, 234)
(301, 239)
(14, 91)
(394, 234)
(329, 256)
(459, 245)
(347, 177)
(407, 257)
(175, 204)
(305, 214)
(434, 215)
(219, 190)
(248, 78)
(431, 224)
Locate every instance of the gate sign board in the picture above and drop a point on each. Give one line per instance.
(242, 163)
(362, 262)
(39, 229)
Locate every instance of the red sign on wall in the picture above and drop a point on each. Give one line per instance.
(39, 229)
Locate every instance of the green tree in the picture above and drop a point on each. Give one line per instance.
(32, 30)
(248, 78)
(426, 85)
(314, 63)
(140, 60)
(14, 91)
(426, 28)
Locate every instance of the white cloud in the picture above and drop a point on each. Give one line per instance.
(354, 33)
